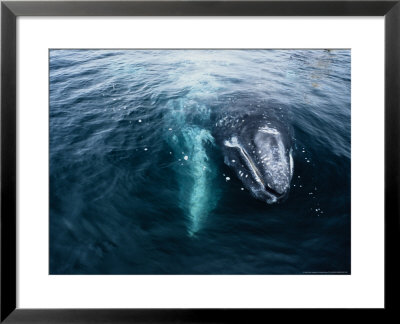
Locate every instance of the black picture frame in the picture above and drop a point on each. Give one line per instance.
(10, 10)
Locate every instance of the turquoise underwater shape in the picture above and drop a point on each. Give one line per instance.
(195, 170)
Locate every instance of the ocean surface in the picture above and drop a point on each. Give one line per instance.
(138, 184)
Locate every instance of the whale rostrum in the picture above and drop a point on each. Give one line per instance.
(256, 142)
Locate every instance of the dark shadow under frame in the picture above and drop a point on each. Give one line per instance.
(11, 10)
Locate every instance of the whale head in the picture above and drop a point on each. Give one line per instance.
(259, 151)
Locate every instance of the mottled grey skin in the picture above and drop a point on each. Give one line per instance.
(256, 141)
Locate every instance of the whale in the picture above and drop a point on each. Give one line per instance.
(254, 137)
(191, 144)
(256, 140)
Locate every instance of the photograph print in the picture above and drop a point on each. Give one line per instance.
(199, 162)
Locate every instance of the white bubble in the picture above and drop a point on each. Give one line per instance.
(145, 148)
(186, 157)
(233, 161)
(170, 129)
(227, 178)
(139, 120)
(241, 188)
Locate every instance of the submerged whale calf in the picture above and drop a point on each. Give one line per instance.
(191, 145)
(256, 142)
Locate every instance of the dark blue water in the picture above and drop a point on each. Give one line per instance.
(139, 186)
